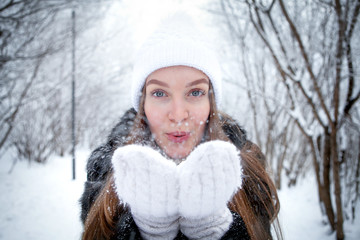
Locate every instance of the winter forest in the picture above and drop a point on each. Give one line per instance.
(291, 78)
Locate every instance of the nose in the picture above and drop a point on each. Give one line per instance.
(179, 111)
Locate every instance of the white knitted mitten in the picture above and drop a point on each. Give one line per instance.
(148, 183)
(208, 179)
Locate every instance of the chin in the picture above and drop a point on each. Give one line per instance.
(178, 155)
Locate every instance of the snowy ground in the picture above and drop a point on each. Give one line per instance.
(301, 218)
(41, 202)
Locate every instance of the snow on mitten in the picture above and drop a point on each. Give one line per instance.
(208, 179)
(147, 182)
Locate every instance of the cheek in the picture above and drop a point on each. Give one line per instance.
(201, 115)
(154, 116)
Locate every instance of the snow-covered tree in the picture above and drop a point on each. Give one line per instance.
(302, 66)
(35, 74)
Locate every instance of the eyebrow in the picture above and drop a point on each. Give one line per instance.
(193, 83)
(155, 81)
(196, 82)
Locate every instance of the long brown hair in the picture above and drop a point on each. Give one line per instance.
(257, 202)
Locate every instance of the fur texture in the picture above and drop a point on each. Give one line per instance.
(99, 165)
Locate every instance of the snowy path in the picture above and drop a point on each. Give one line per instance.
(40, 202)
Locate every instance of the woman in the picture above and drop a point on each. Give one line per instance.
(175, 167)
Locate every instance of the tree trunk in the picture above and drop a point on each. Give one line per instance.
(326, 193)
(324, 182)
(337, 185)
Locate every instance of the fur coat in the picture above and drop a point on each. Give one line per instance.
(99, 165)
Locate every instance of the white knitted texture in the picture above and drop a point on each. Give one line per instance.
(177, 41)
(207, 228)
(198, 190)
(208, 179)
(155, 228)
(146, 181)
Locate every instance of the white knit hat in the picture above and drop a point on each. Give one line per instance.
(177, 41)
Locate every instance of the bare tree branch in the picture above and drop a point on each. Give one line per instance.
(12, 117)
(350, 101)
(306, 59)
(284, 74)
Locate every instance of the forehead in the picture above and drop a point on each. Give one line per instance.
(175, 73)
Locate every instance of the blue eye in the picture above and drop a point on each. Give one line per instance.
(158, 94)
(197, 93)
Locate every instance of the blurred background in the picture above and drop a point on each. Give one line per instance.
(291, 79)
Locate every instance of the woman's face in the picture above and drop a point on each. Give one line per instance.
(177, 107)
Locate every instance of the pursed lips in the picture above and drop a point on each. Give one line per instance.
(178, 136)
